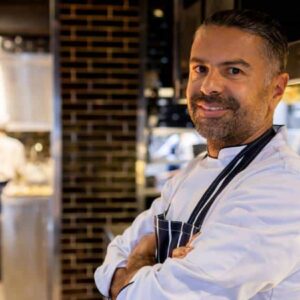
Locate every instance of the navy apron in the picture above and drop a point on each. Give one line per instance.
(174, 234)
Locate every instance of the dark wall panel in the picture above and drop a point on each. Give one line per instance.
(99, 69)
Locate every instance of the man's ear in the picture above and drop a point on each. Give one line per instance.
(280, 84)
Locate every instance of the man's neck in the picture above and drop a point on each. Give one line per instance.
(215, 146)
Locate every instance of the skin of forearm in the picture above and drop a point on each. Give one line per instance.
(142, 255)
(123, 276)
(137, 261)
(117, 282)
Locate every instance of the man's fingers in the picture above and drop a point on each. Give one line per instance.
(181, 252)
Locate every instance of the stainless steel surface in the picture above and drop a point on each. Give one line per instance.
(25, 247)
(54, 284)
(26, 78)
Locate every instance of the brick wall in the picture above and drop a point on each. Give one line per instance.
(99, 69)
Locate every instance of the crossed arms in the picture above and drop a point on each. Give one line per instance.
(142, 255)
(249, 244)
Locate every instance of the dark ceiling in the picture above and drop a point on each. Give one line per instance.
(25, 18)
(287, 12)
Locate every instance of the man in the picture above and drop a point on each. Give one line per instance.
(241, 240)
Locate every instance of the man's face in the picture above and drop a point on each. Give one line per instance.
(231, 94)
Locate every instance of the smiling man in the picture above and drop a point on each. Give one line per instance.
(233, 87)
(228, 225)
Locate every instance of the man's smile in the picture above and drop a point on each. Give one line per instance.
(211, 110)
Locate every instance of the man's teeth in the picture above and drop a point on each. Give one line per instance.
(214, 108)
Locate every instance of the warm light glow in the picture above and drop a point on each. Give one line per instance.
(158, 13)
(38, 147)
(292, 94)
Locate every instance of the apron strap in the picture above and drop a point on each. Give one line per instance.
(238, 164)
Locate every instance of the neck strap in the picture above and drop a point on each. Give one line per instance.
(238, 164)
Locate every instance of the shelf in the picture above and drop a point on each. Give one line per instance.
(29, 127)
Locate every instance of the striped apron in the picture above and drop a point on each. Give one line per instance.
(174, 234)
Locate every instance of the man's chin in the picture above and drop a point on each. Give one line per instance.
(213, 132)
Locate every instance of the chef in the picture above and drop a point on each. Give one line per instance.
(12, 155)
(227, 226)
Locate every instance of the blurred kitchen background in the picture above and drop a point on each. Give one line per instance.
(92, 94)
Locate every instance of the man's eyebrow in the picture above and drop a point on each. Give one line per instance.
(197, 60)
(225, 63)
(237, 62)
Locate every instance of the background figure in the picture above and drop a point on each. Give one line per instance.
(12, 156)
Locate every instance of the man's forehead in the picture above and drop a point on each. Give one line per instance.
(226, 44)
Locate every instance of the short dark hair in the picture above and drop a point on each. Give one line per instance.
(257, 23)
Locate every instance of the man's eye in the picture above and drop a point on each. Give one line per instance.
(234, 71)
(201, 69)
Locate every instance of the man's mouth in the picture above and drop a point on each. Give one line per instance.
(211, 106)
(211, 110)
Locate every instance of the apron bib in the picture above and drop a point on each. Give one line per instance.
(174, 234)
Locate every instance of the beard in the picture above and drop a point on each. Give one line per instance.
(229, 129)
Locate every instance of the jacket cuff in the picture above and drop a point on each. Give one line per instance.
(103, 276)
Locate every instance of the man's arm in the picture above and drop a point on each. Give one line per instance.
(118, 282)
(120, 249)
(122, 246)
(248, 246)
(142, 255)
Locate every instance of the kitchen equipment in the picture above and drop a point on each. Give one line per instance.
(26, 84)
(25, 245)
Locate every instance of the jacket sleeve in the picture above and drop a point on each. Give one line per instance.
(120, 248)
(249, 245)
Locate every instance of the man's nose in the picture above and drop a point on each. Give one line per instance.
(213, 83)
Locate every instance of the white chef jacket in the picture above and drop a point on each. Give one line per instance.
(12, 157)
(249, 246)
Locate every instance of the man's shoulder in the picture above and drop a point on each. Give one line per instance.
(281, 158)
(279, 155)
(273, 171)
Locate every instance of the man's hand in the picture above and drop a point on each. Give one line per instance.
(182, 252)
(117, 282)
(142, 255)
